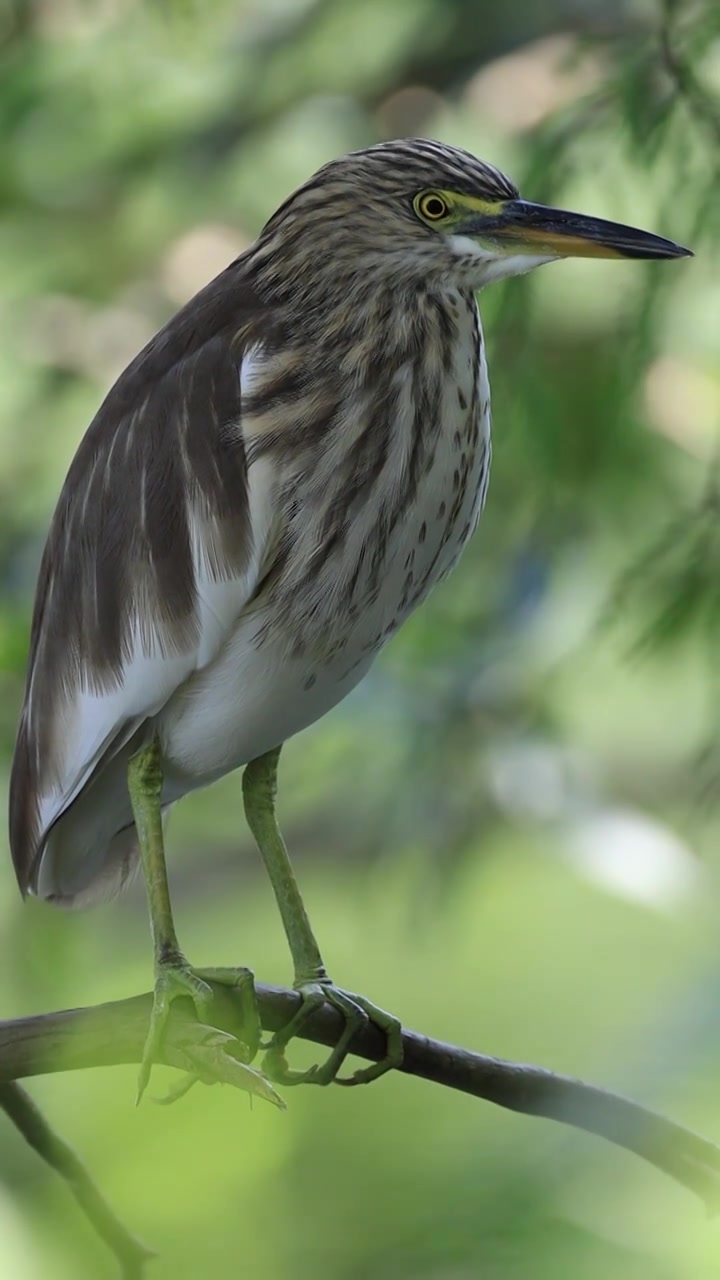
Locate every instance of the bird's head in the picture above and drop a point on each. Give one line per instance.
(420, 210)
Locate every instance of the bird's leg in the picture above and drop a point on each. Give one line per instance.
(311, 979)
(173, 975)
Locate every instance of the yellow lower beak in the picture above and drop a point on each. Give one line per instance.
(522, 227)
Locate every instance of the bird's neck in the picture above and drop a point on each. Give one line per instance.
(362, 328)
(355, 372)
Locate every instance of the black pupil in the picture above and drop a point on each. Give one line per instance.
(434, 207)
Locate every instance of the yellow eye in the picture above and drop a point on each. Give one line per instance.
(432, 206)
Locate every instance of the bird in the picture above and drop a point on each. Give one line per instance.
(267, 492)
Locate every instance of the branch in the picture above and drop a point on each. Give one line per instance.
(110, 1034)
(21, 1110)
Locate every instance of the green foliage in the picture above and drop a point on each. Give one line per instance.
(499, 831)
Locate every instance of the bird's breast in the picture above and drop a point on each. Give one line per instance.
(370, 513)
(384, 513)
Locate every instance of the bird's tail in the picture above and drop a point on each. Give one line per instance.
(102, 878)
(91, 851)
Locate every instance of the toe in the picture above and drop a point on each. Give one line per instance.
(357, 1013)
(172, 982)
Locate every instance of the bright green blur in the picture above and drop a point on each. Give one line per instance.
(499, 836)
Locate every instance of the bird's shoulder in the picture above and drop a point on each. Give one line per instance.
(161, 466)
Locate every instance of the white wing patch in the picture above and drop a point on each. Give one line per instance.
(251, 371)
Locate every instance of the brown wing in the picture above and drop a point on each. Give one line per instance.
(150, 553)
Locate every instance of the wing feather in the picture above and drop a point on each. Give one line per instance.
(151, 556)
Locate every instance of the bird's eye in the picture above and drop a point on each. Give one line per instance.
(432, 206)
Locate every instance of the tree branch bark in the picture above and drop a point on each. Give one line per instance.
(111, 1034)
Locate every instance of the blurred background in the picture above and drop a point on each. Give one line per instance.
(509, 834)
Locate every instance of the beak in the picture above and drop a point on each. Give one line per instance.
(522, 227)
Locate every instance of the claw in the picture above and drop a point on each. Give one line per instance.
(356, 1012)
(216, 1057)
(213, 1059)
(172, 981)
(178, 1092)
(210, 1054)
(392, 1030)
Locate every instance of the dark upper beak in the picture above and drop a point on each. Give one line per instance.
(534, 228)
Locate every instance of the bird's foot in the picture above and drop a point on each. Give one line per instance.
(357, 1012)
(174, 979)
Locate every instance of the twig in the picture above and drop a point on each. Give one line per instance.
(114, 1033)
(699, 101)
(21, 1110)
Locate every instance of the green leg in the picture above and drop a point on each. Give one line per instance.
(173, 975)
(311, 979)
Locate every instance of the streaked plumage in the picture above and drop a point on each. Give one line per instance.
(267, 492)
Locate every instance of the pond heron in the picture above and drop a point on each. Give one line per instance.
(267, 492)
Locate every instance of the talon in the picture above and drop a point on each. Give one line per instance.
(173, 981)
(275, 1067)
(357, 1012)
(179, 1091)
